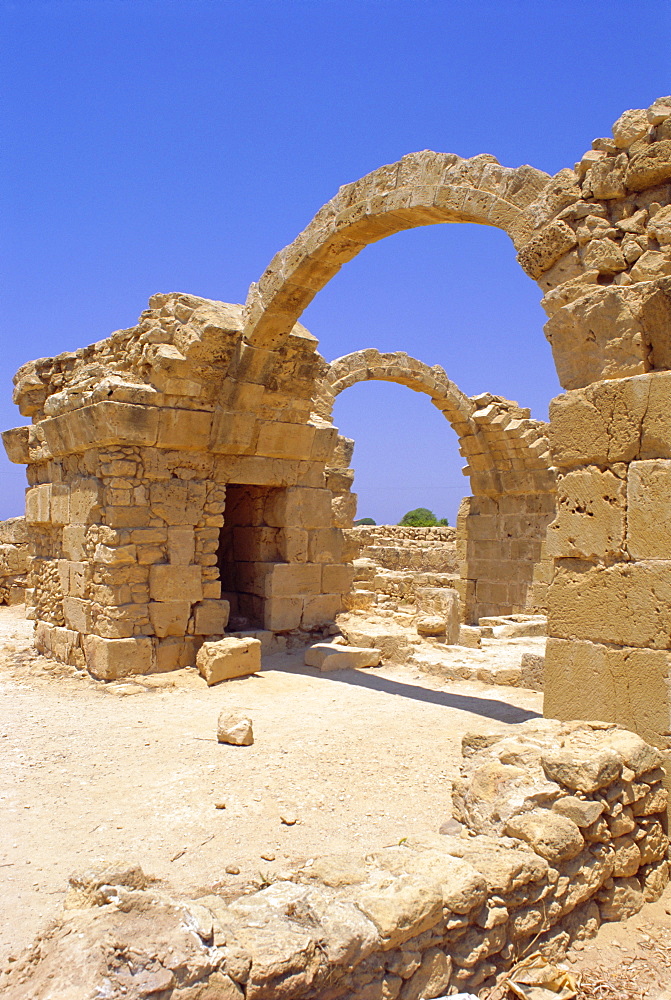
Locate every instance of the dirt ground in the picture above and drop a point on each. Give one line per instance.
(92, 771)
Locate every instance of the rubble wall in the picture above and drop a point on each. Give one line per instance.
(563, 829)
(13, 560)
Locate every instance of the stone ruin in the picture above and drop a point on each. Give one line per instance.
(188, 465)
(187, 471)
(14, 557)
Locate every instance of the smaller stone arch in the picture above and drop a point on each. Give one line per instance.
(500, 528)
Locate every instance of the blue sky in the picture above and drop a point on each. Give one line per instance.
(160, 145)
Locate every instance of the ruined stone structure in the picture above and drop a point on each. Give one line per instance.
(139, 442)
(13, 560)
(502, 527)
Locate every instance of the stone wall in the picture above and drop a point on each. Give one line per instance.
(393, 561)
(13, 560)
(563, 830)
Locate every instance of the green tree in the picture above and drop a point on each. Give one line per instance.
(421, 517)
(364, 520)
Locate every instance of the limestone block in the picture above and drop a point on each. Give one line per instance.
(38, 504)
(337, 578)
(228, 658)
(343, 508)
(321, 609)
(99, 425)
(628, 603)
(623, 899)
(598, 336)
(590, 521)
(78, 614)
(282, 440)
(178, 502)
(555, 837)
(169, 617)
(176, 653)
(604, 256)
(235, 728)
(60, 504)
(181, 545)
(233, 433)
(648, 523)
(325, 545)
(590, 680)
(183, 429)
(282, 614)
(211, 617)
(650, 166)
(292, 579)
(115, 555)
(583, 812)
(402, 910)
(16, 441)
(629, 127)
(659, 226)
(430, 625)
(175, 583)
(328, 656)
(85, 501)
(532, 670)
(545, 248)
(606, 177)
(431, 978)
(470, 636)
(650, 265)
(108, 659)
(298, 507)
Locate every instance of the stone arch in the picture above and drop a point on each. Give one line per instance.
(501, 527)
(421, 189)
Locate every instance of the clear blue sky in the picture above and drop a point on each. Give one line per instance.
(160, 145)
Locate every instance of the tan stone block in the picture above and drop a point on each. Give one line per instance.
(178, 502)
(299, 507)
(184, 429)
(625, 686)
(293, 579)
(115, 555)
(251, 577)
(337, 578)
(211, 590)
(78, 614)
(127, 517)
(326, 545)
(233, 433)
(181, 546)
(321, 609)
(16, 441)
(211, 617)
(60, 504)
(256, 544)
(228, 658)
(175, 654)
(281, 440)
(281, 614)
(627, 603)
(175, 583)
(77, 578)
(38, 504)
(293, 545)
(85, 500)
(74, 542)
(648, 522)
(590, 519)
(327, 656)
(123, 621)
(169, 617)
(108, 659)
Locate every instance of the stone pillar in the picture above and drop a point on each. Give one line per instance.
(609, 629)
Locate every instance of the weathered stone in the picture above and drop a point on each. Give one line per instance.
(583, 812)
(623, 900)
(555, 837)
(225, 659)
(328, 656)
(235, 728)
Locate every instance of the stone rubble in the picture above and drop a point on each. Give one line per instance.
(541, 859)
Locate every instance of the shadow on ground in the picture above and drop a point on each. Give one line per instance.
(501, 711)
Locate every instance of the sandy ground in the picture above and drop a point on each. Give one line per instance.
(92, 771)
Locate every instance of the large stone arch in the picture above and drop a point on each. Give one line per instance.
(421, 189)
(501, 528)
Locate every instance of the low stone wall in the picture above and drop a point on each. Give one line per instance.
(564, 831)
(13, 560)
(395, 561)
